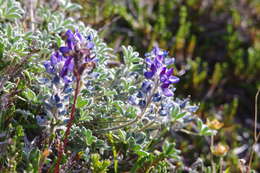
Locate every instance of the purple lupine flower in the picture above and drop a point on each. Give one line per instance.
(166, 78)
(156, 97)
(157, 64)
(142, 103)
(71, 57)
(146, 87)
(48, 66)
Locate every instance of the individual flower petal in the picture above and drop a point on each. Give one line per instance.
(156, 50)
(169, 72)
(68, 61)
(149, 74)
(156, 97)
(89, 37)
(56, 79)
(148, 61)
(58, 56)
(160, 57)
(140, 94)
(78, 35)
(169, 61)
(142, 103)
(174, 79)
(166, 84)
(57, 98)
(71, 66)
(163, 78)
(157, 62)
(132, 100)
(49, 68)
(64, 49)
(192, 108)
(147, 54)
(153, 68)
(67, 89)
(163, 71)
(54, 60)
(67, 67)
(47, 64)
(70, 44)
(167, 92)
(70, 34)
(163, 112)
(66, 79)
(95, 60)
(90, 45)
(165, 53)
(146, 87)
(64, 71)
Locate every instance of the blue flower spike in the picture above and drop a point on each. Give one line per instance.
(71, 59)
(157, 64)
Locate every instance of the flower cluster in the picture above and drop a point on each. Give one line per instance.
(157, 63)
(72, 59)
(155, 92)
(56, 103)
(66, 64)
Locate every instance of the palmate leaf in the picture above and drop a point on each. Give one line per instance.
(177, 114)
(30, 95)
(82, 102)
(3, 62)
(10, 10)
(70, 6)
(13, 16)
(89, 138)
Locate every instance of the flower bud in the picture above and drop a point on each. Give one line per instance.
(220, 149)
(214, 124)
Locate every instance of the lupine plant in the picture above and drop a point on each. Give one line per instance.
(216, 45)
(146, 104)
(87, 109)
(70, 103)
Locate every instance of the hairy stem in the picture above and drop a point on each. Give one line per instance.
(62, 145)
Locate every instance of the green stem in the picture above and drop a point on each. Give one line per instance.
(221, 164)
(110, 137)
(256, 136)
(163, 135)
(211, 149)
(146, 126)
